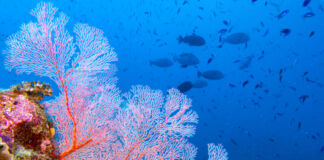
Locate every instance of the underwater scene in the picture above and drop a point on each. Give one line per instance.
(162, 79)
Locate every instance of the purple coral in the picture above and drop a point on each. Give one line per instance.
(15, 111)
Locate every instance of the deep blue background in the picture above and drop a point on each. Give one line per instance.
(242, 118)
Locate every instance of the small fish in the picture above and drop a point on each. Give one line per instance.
(178, 11)
(285, 32)
(299, 125)
(306, 2)
(303, 98)
(246, 63)
(232, 85)
(162, 62)
(233, 141)
(280, 74)
(210, 59)
(254, 1)
(222, 31)
(312, 34)
(260, 85)
(211, 75)
(266, 33)
(283, 13)
(185, 86)
(225, 22)
(245, 83)
(322, 149)
(271, 139)
(309, 14)
(192, 40)
(312, 81)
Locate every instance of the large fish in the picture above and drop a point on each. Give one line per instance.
(192, 40)
(211, 75)
(185, 86)
(237, 38)
(186, 59)
(199, 84)
(161, 62)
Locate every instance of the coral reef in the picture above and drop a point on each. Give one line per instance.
(24, 127)
(92, 120)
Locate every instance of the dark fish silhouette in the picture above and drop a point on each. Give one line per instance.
(283, 13)
(299, 125)
(210, 59)
(322, 149)
(237, 38)
(285, 32)
(309, 14)
(200, 84)
(303, 98)
(306, 2)
(161, 62)
(246, 63)
(185, 86)
(312, 34)
(233, 141)
(245, 83)
(211, 75)
(186, 59)
(192, 40)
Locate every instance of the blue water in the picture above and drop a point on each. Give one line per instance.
(252, 123)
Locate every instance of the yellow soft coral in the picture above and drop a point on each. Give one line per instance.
(4, 152)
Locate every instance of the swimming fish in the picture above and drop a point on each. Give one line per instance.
(186, 59)
(199, 84)
(283, 13)
(245, 83)
(185, 86)
(246, 63)
(309, 14)
(312, 34)
(306, 2)
(285, 32)
(161, 62)
(192, 40)
(211, 75)
(237, 38)
(210, 59)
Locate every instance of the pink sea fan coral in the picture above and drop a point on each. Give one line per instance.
(217, 152)
(82, 112)
(152, 127)
(89, 122)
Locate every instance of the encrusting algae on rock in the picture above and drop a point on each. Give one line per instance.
(25, 131)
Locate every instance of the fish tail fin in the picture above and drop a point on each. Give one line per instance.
(180, 39)
(198, 74)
